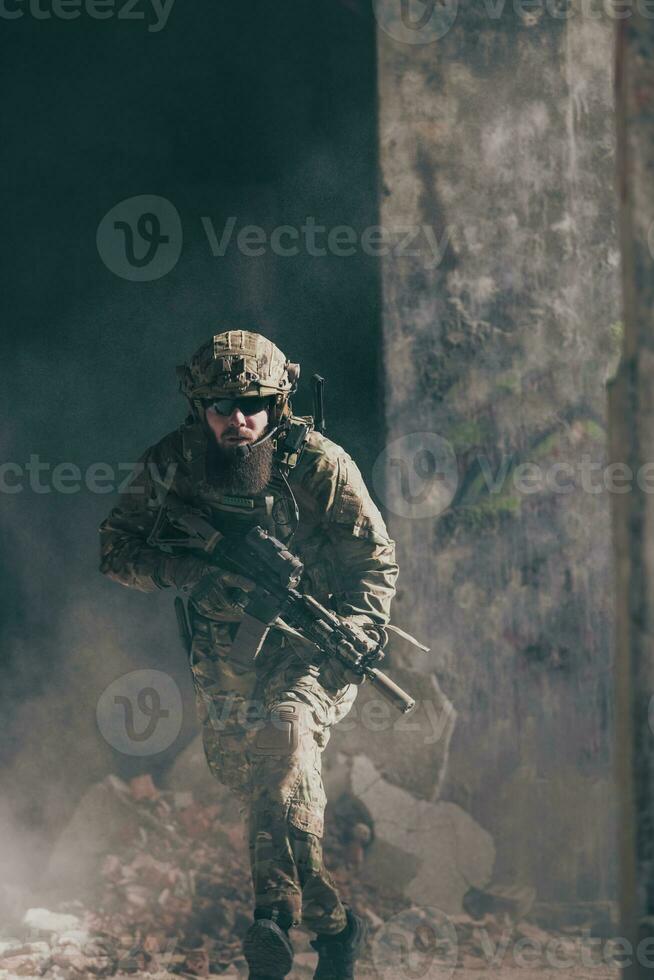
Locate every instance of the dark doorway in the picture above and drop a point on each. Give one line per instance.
(261, 112)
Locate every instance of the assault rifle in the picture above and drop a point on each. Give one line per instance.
(276, 600)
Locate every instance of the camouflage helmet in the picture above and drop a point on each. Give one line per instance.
(236, 364)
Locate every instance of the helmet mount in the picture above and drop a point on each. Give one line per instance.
(239, 363)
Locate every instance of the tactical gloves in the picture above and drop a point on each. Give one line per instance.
(214, 592)
(333, 674)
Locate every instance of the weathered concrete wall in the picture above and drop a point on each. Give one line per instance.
(498, 136)
(632, 444)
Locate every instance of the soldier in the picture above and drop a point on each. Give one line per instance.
(244, 459)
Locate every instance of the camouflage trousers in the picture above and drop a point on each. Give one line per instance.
(264, 731)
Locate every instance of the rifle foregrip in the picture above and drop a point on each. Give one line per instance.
(391, 691)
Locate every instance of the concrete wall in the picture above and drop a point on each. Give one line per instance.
(631, 414)
(498, 136)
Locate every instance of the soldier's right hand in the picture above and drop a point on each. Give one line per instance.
(222, 595)
(213, 591)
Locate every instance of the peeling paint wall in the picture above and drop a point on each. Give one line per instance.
(498, 136)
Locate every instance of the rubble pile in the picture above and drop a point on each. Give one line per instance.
(172, 893)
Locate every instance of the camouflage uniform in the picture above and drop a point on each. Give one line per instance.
(264, 729)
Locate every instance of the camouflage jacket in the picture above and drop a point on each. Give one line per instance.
(341, 536)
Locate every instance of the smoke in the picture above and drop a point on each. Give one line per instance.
(90, 358)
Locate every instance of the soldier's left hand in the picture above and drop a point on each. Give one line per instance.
(334, 676)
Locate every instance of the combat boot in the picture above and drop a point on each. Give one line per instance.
(266, 946)
(336, 954)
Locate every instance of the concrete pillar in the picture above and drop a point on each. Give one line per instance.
(500, 321)
(631, 409)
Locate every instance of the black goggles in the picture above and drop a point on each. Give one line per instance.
(249, 406)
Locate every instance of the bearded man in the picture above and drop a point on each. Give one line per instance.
(243, 459)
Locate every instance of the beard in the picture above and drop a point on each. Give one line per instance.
(236, 472)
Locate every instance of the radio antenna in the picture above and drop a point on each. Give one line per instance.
(318, 403)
